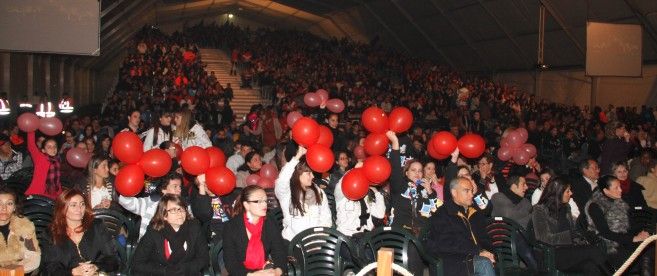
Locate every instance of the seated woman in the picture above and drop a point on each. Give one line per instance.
(173, 244)
(252, 244)
(252, 165)
(100, 192)
(608, 217)
(553, 224)
(18, 242)
(80, 244)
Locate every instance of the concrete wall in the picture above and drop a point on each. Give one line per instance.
(573, 87)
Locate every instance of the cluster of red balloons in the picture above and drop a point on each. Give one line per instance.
(265, 178)
(210, 161)
(514, 147)
(321, 96)
(318, 140)
(375, 170)
(128, 148)
(443, 143)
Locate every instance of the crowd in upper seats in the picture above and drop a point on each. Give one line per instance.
(594, 166)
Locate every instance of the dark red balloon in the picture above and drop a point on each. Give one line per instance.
(195, 160)
(524, 135)
(265, 183)
(78, 157)
(252, 179)
(355, 185)
(376, 144)
(377, 169)
(520, 156)
(432, 151)
(320, 158)
(50, 126)
(325, 136)
(400, 119)
(375, 120)
(268, 171)
(127, 147)
(292, 118)
(28, 122)
(335, 105)
(312, 100)
(359, 152)
(514, 139)
(155, 163)
(220, 180)
(505, 153)
(471, 145)
(530, 149)
(444, 142)
(217, 157)
(323, 95)
(130, 180)
(305, 132)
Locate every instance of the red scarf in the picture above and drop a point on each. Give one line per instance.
(255, 250)
(625, 185)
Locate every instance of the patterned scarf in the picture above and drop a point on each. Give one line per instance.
(54, 174)
(255, 250)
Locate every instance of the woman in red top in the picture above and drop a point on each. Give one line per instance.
(46, 177)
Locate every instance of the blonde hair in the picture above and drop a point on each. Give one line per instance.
(94, 163)
(186, 123)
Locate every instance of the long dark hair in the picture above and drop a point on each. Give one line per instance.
(157, 127)
(298, 194)
(244, 196)
(552, 195)
(158, 222)
(247, 158)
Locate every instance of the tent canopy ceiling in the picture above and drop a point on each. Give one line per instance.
(471, 35)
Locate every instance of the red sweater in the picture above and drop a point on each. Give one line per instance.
(41, 165)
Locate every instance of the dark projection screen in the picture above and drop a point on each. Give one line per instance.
(51, 26)
(613, 49)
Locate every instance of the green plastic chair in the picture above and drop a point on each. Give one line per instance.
(115, 221)
(317, 251)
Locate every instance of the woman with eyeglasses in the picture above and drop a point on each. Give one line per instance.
(174, 243)
(253, 245)
(79, 244)
(47, 168)
(18, 242)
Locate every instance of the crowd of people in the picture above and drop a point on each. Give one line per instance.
(594, 165)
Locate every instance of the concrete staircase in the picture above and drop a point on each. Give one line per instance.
(219, 62)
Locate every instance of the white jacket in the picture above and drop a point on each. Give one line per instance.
(145, 207)
(315, 215)
(348, 211)
(198, 138)
(148, 141)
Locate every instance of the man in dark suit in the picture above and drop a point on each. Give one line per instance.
(582, 186)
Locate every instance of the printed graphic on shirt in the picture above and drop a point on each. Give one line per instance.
(218, 210)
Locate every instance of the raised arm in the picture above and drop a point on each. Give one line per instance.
(396, 178)
(282, 188)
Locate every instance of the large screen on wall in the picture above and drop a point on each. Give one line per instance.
(613, 49)
(50, 26)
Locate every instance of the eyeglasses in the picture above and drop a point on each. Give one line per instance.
(262, 201)
(176, 210)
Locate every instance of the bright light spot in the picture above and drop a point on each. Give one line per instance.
(230, 15)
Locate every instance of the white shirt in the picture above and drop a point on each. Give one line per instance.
(235, 161)
(493, 190)
(348, 211)
(198, 137)
(593, 184)
(98, 194)
(148, 140)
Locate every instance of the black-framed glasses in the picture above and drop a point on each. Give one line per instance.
(262, 201)
(176, 210)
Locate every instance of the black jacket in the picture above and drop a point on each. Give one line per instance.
(149, 258)
(456, 237)
(204, 211)
(96, 246)
(404, 215)
(634, 197)
(581, 192)
(236, 240)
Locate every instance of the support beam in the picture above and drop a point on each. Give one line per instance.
(107, 10)
(385, 26)
(127, 20)
(424, 34)
(646, 24)
(121, 15)
(528, 61)
(562, 23)
(30, 76)
(461, 33)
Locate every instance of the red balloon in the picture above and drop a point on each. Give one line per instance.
(376, 144)
(179, 150)
(444, 142)
(127, 147)
(217, 157)
(375, 120)
(77, 157)
(354, 184)
(471, 145)
(335, 105)
(268, 171)
(292, 117)
(312, 100)
(524, 135)
(28, 122)
(155, 162)
(195, 160)
(322, 94)
(130, 180)
(265, 183)
(320, 158)
(252, 179)
(515, 139)
(505, 153)
(50, 126)
(400, 119)
(377, 169)
(305, 132)
(359, 152)
(530, 149)
(504, 143)
(520, 156)
(220, 180)
(432, 151)
(325, 136)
